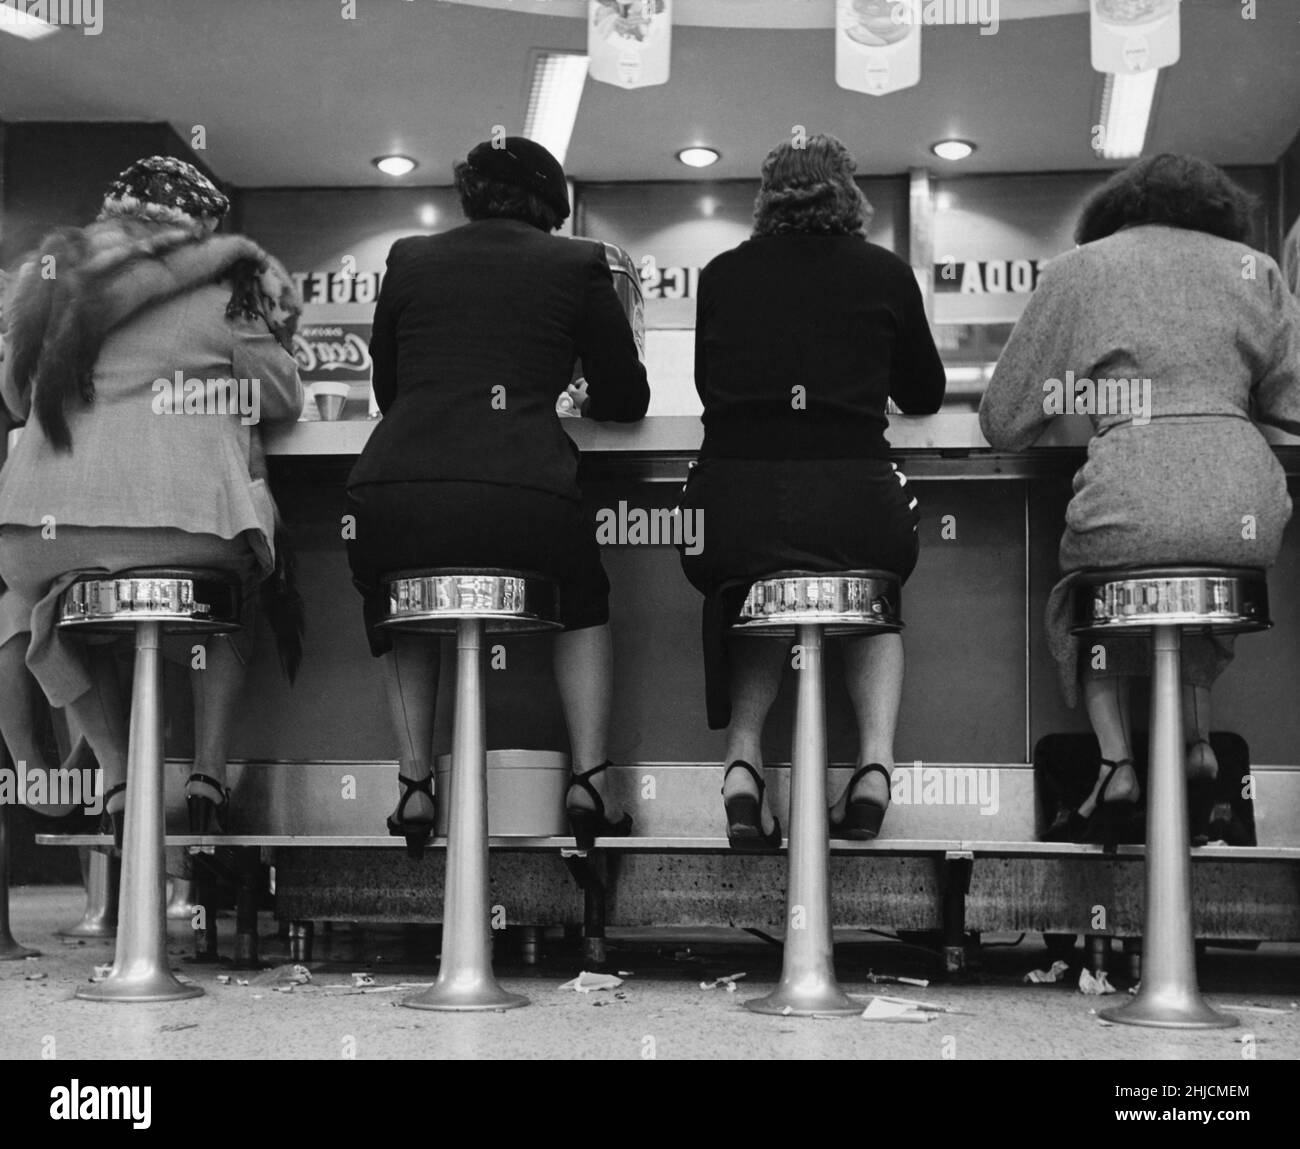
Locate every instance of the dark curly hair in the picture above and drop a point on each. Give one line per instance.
(482, 197)
(1179, 191)
(810, 189)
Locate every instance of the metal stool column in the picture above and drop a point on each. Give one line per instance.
(101, 874)
(10, 950)
(146, 600)
(1162, 602)
(140, 970)
(809, 605)
(467, 603)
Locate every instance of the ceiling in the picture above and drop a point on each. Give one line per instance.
(292, 94)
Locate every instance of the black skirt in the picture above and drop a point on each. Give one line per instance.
(405, 526)
(760, 516)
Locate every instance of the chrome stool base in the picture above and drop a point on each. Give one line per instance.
(102, 878)
(145, 601)
(1165, 601)
(468, 603)
(808, 605)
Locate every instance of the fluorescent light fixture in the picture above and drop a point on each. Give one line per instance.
(952, 149)
(699, 157)
(553, 98)
(395, 165)
(19, 23)
(1126, 103)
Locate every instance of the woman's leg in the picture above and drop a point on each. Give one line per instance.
(17, 710)
(583, 661)
(411, 684)
(1107, 703)
(216, 690)
(1202, 765)
(873, 672)
(101, 715)
(757, 665)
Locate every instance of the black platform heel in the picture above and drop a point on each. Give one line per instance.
(590, 824)
(745, 815)
(1112, 823)
(416, 831)
(114, 823)
(862, 817)
(205, 815)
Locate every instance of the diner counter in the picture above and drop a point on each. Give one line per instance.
(949, 444)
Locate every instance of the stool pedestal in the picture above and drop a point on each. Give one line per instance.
(1168, 996)
(808, 986)
(465, 977)
(10, 950)
(140, 970)
(102, 876)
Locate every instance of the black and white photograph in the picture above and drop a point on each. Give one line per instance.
(649, 530)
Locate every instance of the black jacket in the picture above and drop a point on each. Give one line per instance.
(834, 315)
(475, 336)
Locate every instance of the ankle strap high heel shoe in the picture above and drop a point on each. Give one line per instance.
(862, 816)
(206, 816)
(416, 831)
(745, 815)
(588, 824)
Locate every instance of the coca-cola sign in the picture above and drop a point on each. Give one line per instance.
(334, 351)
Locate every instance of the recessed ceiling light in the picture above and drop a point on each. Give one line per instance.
(952, 149)
(1126, 103)
(395, 165)
(698, 157)
(553, 98)
(428, 215)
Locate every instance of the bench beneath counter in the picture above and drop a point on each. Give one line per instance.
(679, 871)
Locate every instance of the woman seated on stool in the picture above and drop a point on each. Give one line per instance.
(1165, 297)
(802, 334)
(475, 336)
(114, 469)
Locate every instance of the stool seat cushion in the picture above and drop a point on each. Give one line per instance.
(186, 600)
(844, 602)
(1225, 600)
(436, 600)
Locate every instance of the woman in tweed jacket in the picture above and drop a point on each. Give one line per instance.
(1187, 336)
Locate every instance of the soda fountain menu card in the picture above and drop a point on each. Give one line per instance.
(877, 46)
(1135, 35)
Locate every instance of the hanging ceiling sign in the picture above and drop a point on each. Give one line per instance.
(1135, 35)
(629, 42)
(877, 46)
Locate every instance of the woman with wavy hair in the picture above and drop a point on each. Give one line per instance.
(803, 333)
(1195, 335)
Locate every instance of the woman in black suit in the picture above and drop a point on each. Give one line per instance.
(802, 334)
(475, 336)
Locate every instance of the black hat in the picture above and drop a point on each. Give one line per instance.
(519, 161)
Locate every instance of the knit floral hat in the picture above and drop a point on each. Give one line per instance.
(164, 189)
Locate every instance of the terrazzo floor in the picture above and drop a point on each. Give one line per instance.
(659, 1011)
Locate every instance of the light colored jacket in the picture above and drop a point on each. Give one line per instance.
(132, 464)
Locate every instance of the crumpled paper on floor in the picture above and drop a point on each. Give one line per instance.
(587, 982)
(728, 983)
(891, 1009)
(1047, 976)
(1095, 984)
